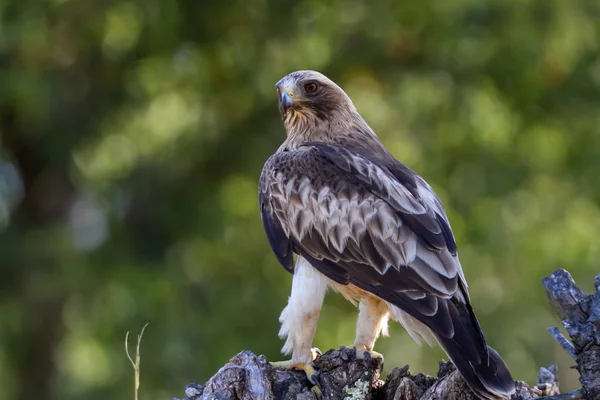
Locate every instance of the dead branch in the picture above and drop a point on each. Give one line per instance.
(580, 316)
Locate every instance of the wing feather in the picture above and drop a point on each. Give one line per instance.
(359, 221)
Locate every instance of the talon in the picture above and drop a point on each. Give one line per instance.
(362, 349)
(311, 373)
(316, 352)
(313, 376)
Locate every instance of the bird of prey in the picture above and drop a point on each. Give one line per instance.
(364, 224)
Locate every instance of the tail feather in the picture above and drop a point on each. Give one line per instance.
(480, 365)
(454, 325)
(489, 380)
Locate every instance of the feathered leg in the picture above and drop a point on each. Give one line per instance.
(300, 316)
(373, 314)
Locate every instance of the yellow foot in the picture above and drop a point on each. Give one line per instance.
(361, 349)
(309, 370)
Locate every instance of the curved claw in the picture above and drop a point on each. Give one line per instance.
(361, 350)
(315, 352)
(311, 373)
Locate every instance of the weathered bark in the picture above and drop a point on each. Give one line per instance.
(580, 315)
(343, 376)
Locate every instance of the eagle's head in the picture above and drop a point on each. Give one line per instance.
(309, 101)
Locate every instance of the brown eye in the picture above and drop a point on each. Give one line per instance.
(311, 87)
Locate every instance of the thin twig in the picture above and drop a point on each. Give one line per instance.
(575, 395)
(135, 364)
(563, 341)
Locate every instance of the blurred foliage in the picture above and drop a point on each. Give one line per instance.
(133, 134)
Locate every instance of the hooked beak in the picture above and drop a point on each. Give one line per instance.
(286, 99)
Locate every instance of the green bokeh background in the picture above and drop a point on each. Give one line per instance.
(133, 134)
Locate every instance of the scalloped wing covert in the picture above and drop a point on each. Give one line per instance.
(358, 224)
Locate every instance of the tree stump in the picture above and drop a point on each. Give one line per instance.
(342, 376)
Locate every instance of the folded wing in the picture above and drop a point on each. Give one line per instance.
(340, 208)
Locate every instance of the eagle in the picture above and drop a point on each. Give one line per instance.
(362, 223)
